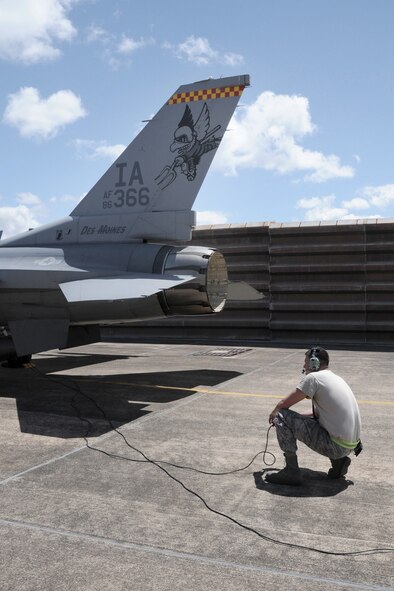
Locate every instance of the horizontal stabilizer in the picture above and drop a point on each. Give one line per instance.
(124, 287)
(243, 292)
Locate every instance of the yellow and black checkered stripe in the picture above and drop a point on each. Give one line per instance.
(206, 94)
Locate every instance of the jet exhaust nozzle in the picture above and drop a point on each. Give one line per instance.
(206, 293)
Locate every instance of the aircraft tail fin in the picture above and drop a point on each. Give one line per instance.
(148, 192)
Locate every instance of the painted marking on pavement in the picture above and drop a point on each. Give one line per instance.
(219, 392)
(145, 548)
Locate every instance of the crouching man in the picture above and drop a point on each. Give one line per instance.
(332, 429)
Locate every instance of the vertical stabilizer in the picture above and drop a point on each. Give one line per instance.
(148, 192)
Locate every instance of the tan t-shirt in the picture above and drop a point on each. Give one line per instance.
(335, 405)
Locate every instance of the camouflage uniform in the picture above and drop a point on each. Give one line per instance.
(292, 426)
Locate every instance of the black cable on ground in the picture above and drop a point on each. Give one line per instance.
(77, 391)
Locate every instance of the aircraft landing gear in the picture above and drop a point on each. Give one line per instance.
(16, 362)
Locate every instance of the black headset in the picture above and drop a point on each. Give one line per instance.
(314, 361)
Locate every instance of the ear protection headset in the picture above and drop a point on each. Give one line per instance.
(314, 361)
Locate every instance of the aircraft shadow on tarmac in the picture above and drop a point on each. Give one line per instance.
(69, 406)
(62, 361)
(315, 484)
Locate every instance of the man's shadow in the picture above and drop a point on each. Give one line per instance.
(314, 484)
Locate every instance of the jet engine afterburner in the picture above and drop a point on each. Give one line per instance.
(206, 293)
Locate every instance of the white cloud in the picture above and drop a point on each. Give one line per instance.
(98, 149)
(267, 135)
(110, 151)
(381, 196)
(97, 34)
(325, 208)
(29, 29)
(326, 167)
(322, 208)
(233, 59)
(199, 51)
(196, 50)
(66, 199)
(14, 220)
(42, 118)
(62, 205)
(23, 216)
(356, 203)
(128, 45)
(116, 51)
(207, 218)
(29, 199)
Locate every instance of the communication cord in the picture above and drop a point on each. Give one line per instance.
(158, 463)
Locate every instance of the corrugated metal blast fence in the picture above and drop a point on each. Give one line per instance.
(324, 283)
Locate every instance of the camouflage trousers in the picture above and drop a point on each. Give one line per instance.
(292, 427)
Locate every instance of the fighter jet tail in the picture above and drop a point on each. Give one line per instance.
(148, 192)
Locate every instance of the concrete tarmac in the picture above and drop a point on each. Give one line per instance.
(83, 509)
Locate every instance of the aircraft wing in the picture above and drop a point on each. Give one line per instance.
(123, 287)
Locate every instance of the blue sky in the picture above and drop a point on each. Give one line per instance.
(313, 139)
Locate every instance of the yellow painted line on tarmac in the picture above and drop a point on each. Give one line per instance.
(224, 392)
(183, 389)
